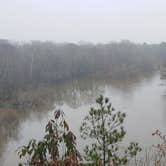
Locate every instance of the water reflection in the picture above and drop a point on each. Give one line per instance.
(85, 91)
(141, 97)
(9, 121)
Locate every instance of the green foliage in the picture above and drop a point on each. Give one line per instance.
(58, 148)
(105, 127)
(48, 152)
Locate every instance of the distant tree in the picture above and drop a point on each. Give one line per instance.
(30, 65)
(105, 127)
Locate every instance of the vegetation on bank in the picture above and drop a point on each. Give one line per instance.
(30, 71)
(104, 125)
(31, 65)
(103, 129)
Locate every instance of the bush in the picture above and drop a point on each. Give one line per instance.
(105, 127)
(58, 146)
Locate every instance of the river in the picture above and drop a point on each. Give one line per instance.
(142, 99)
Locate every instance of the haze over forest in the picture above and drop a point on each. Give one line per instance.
(46, 63)
(65, 54)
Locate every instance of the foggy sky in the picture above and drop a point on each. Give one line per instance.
(83, 20)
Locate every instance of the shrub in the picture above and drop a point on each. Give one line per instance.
(58, 147)
(105, 127)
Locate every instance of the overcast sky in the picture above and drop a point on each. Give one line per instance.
(83, 20)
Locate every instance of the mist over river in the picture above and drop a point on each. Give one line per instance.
(142, 99)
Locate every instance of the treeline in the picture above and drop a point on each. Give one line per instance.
(45, 63)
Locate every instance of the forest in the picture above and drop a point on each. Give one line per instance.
(34, 64)
(32, 75)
